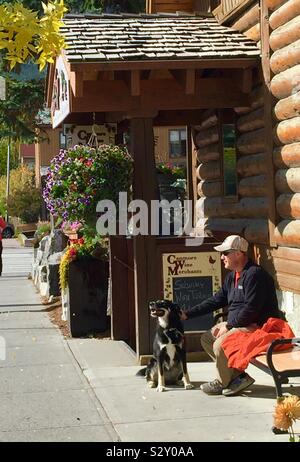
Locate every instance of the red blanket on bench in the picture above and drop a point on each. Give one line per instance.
(240, 347)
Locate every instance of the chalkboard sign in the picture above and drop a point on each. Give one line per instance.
(190, 291)
(189, 278)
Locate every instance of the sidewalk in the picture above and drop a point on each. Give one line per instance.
(55, 389)
(138, 413)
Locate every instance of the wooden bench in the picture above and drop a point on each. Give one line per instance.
(280, 364)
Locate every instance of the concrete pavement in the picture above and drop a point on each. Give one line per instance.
(57, 389)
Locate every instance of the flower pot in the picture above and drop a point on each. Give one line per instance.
(88, 286)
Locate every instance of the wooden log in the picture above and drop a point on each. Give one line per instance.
(248, 19)
(288, 180)
(251, 121)
(253, 186)
(254, 164)
(253, 33)
(287, 156)
(284, 13)
(206, 137)
(207, 188)
(256, 207)
(286, 83)
(210, 119)
(288, 108)
(287, 266)
(252, 142)
(274, 4)
(288, 131)
(215, 207)
(207, 153)
(256, 100)
(288, 205)
(286, 253)
(285, 57)
(288, 282)
(209, 170)
(286, 34)
(230, 225)
(257, 231)
(287, 233)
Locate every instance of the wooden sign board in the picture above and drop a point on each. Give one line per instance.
(81, 134)
(190, 278)
(60, 105)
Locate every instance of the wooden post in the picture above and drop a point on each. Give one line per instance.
(265, 48)
(144, 247)
(191, 155)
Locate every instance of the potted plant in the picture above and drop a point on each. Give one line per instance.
(83, 276)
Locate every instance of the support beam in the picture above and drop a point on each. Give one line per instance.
(76, 81)
(132, 81)
(165, 94)
(186, 79)
(145, 255)
(246, 85)
(225, 63)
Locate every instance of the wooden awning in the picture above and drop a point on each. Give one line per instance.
(144, 64)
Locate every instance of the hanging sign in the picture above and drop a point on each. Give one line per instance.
(60, 106)
(190, 278)
(81, 134)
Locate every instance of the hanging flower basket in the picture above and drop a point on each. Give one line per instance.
(78, 178)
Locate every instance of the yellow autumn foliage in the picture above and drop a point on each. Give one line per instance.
(24, 35)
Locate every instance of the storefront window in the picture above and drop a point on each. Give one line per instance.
(229, 159)
(62, 141)
(177, 143)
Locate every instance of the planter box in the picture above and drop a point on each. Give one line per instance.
(88, 286)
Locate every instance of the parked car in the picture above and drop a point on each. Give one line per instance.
(8, 231)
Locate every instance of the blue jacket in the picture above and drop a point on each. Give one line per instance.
(252, 301)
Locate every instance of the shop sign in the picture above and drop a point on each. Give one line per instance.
(60, 106)
(190, 278)
(81, 134)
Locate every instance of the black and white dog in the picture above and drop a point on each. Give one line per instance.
(168, 364)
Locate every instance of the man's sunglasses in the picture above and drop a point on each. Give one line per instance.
(227, 252)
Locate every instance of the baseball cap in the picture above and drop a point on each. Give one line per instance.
(233, 242)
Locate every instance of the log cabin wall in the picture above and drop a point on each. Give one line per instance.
(285, 86)
(247, 214)
(284, 18)
(282, 262)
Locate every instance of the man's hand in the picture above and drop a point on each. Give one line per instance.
(219, 329)
(183, 316)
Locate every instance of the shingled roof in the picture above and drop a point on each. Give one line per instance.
(105, 38)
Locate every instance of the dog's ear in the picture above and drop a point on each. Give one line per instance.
(176, 307)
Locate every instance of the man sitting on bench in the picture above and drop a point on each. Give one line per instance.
(249, 292)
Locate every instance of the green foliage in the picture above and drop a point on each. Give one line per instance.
(95, 6)
(24, 200)
(14, 156)
(169, 169)
(25, 204)
(17, 112)
(83, 248)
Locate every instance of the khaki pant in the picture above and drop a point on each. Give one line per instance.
(212, 346)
